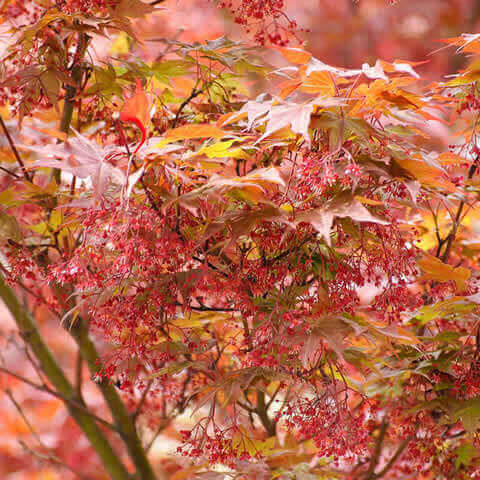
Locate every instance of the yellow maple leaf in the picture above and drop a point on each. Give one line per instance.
(434, 269)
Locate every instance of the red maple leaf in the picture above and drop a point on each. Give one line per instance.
(136, 109)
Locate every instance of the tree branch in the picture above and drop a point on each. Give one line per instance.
(53, 459)
(15, 151)
(32, 336)
(370, 475)
(14, 175)
(20, 411)
(451, 236)
(142, 400)
(261, 410)
(49, 457)
(71, 91)
(122, 419)
(73, 403)
(194, 93)
(395, 457)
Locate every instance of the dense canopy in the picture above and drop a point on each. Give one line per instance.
(235, 243)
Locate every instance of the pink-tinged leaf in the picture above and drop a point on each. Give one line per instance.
(315, 65)
(270, 174)
(402, 335)
(413, 188)
(475, 298)
(242, 222)
(251, 188)
(310, 351)
(344, 206)
(375, 72)
(297, 117)
(405, 68)
(256, 110)
(133, 179)
(82, 158)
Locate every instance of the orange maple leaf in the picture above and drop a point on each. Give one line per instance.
(136, 109)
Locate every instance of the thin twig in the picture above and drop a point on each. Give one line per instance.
(370, 475)
(48, 457)
(159, 430)
(206, 308)
(14, 150)
(142, 400)
(78, 373)
(73, 403)
(141, 180)
(10, 173)
(395, 457)
(34, 364)
(194, 93)
(456, 220)
(20, 411)
(53, 459)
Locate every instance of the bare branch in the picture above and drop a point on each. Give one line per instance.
(14, 150)
(142, 400)
(46, 389)
(32, 336)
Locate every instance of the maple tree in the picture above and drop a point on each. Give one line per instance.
(231, 259)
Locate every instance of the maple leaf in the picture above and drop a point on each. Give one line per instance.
(467, 42)
(256, 109)
(136, 109)
(343, 206)
(469, 413)
(315, 65)
(427, 171)
(294, 55)
(401, 67)
(82, 158)
(434, 269)
(194, 131)
(375, 73)
(295, 116)
(133, 8)
(250, 188)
